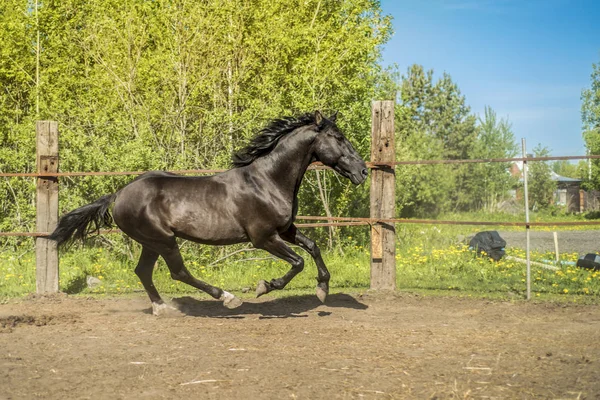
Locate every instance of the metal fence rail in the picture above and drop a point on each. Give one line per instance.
(357, 221)
(313, 166)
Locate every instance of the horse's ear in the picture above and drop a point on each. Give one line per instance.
(319, 118)
(333, 117)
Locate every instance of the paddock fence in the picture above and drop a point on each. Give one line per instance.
(382, 219)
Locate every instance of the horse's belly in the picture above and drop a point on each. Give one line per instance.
(211, 229)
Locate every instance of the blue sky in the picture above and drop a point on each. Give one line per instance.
(529, 60)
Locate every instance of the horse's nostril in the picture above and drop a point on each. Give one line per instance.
(365, 172)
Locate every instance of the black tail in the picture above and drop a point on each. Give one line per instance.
(80, 223)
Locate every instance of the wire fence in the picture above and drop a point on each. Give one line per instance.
(314, 166)
(333, 221)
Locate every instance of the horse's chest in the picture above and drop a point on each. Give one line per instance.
(282, 216)
(290, 216)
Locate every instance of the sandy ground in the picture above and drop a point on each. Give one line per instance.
(372, 346)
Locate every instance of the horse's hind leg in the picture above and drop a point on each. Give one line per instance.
(144, 271)
(276, 246)
(294, 236)
(179, 272)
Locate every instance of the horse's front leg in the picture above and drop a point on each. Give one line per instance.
(276, 246)
(294, 236)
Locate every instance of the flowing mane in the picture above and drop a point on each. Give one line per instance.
(268, 137)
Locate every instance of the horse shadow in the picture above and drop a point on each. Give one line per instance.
(288, 307)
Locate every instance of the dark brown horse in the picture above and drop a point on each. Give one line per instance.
(255, 202)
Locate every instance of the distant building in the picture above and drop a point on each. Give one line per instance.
(568, 191)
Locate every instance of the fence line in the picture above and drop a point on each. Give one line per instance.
(382, 199)
(445, 222)
(488, 160)
(313, 166)
(358, 221)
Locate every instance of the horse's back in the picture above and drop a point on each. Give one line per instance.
(154, 174)
(196, 208)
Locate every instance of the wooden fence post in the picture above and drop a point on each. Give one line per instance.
(383, 197)
(46, 252)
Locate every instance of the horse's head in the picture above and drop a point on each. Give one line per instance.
(333, 149)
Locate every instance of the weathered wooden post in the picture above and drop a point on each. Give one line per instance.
(383, 197)
(46, 253)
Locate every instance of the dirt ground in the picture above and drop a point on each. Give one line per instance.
(581, 242)
(372, 346)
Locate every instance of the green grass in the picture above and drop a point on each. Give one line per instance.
(429, 258)
(455, 268)
(17, 272)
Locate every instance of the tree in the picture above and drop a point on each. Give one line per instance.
(439, 110)
(434, 122)
(179, 84)
(17, 113)
(565, 168)
(590, 117)
(491, 182)
(541, 186)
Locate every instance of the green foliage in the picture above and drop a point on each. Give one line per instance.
(434, 122)
(424, 122)
(540, 184)
(173, 84)
(491, 182)
(590, 117)
(17, 103)
(570, 170)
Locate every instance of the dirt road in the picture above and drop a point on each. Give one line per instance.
(356, 347)
(581, 242)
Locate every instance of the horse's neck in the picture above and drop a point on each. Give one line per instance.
(288, 161)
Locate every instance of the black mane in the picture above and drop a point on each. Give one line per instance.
(268, 137)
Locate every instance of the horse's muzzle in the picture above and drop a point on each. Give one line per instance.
(359, 178)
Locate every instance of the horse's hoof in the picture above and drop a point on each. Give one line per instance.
(164, 310)
(262, 288)
(322, 294)
(230, 301)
